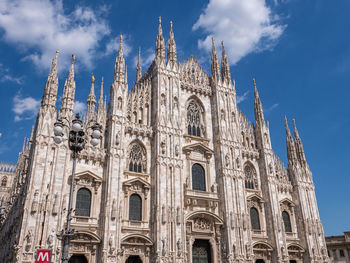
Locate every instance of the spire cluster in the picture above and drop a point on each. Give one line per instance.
(139, 67)
(171, 46)
(225, 66)
(215, 66)
(67, 104)
(258, 109)
(160, 46)
(50, 92)
(295, 149)
(120, 68)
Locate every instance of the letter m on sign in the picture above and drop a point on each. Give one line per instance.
(43, 256)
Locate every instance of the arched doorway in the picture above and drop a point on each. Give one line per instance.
(201, 251)
(78, 259)
(133, 259)
(293, 261)
(259, 261)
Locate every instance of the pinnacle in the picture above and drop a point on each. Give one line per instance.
(160, 30)
(296, 133)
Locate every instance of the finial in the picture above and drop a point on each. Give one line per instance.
(139, 58)
(254, 83)
(121, 39)
(213, 41)
(160, 20)
(92, 78)
(57, 52)
(222, 43)
(171, 25)
(73, 58)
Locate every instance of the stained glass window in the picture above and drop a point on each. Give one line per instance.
(249, 173)
(135, 207)
(4, 181)
(194, 119)
(83, 203)
(137, 158)
(286, 221)
(254, 218)
(198, 177)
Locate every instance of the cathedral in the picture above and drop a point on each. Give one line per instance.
(180, 175)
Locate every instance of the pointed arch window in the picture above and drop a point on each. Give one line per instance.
(198, 177)
(4, 182)
(83, 203)
(135, 207)
(286, 221)
(137, 158)
(254, 218)
(194, 119)
(250, 177)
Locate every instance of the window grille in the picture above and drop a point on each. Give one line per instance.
(83, 203)
(254, 218)
(135, 207)
(198, 177)
(286, 221)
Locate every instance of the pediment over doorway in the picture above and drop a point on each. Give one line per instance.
(136, 240)
(198, 148)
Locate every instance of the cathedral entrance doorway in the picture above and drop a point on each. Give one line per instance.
(78, 259)
(259, 261)
(292, 261)
(133, 259)
(201, 251)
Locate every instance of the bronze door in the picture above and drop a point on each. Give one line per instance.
(201, 251)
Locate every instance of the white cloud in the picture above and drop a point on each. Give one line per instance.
(245, 26)
(5, 76)
(25, 108)
(40, 27)
(147, 58)
(241, 98)
(113, 45)
(271, 108)
(79, 107)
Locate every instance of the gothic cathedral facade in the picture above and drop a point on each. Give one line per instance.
(180, 175)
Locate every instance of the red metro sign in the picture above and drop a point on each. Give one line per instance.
(43, 256)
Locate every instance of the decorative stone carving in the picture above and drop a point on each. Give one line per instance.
(55, 205)
(111, 244)
(164, 214)
(202, 224)
(35, 203)
(117, 138)
(177, 150)
(114, 209)
(50, 239)
(28, 239)
(227, 160)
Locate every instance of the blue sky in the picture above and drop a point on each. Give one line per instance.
(298, 51)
